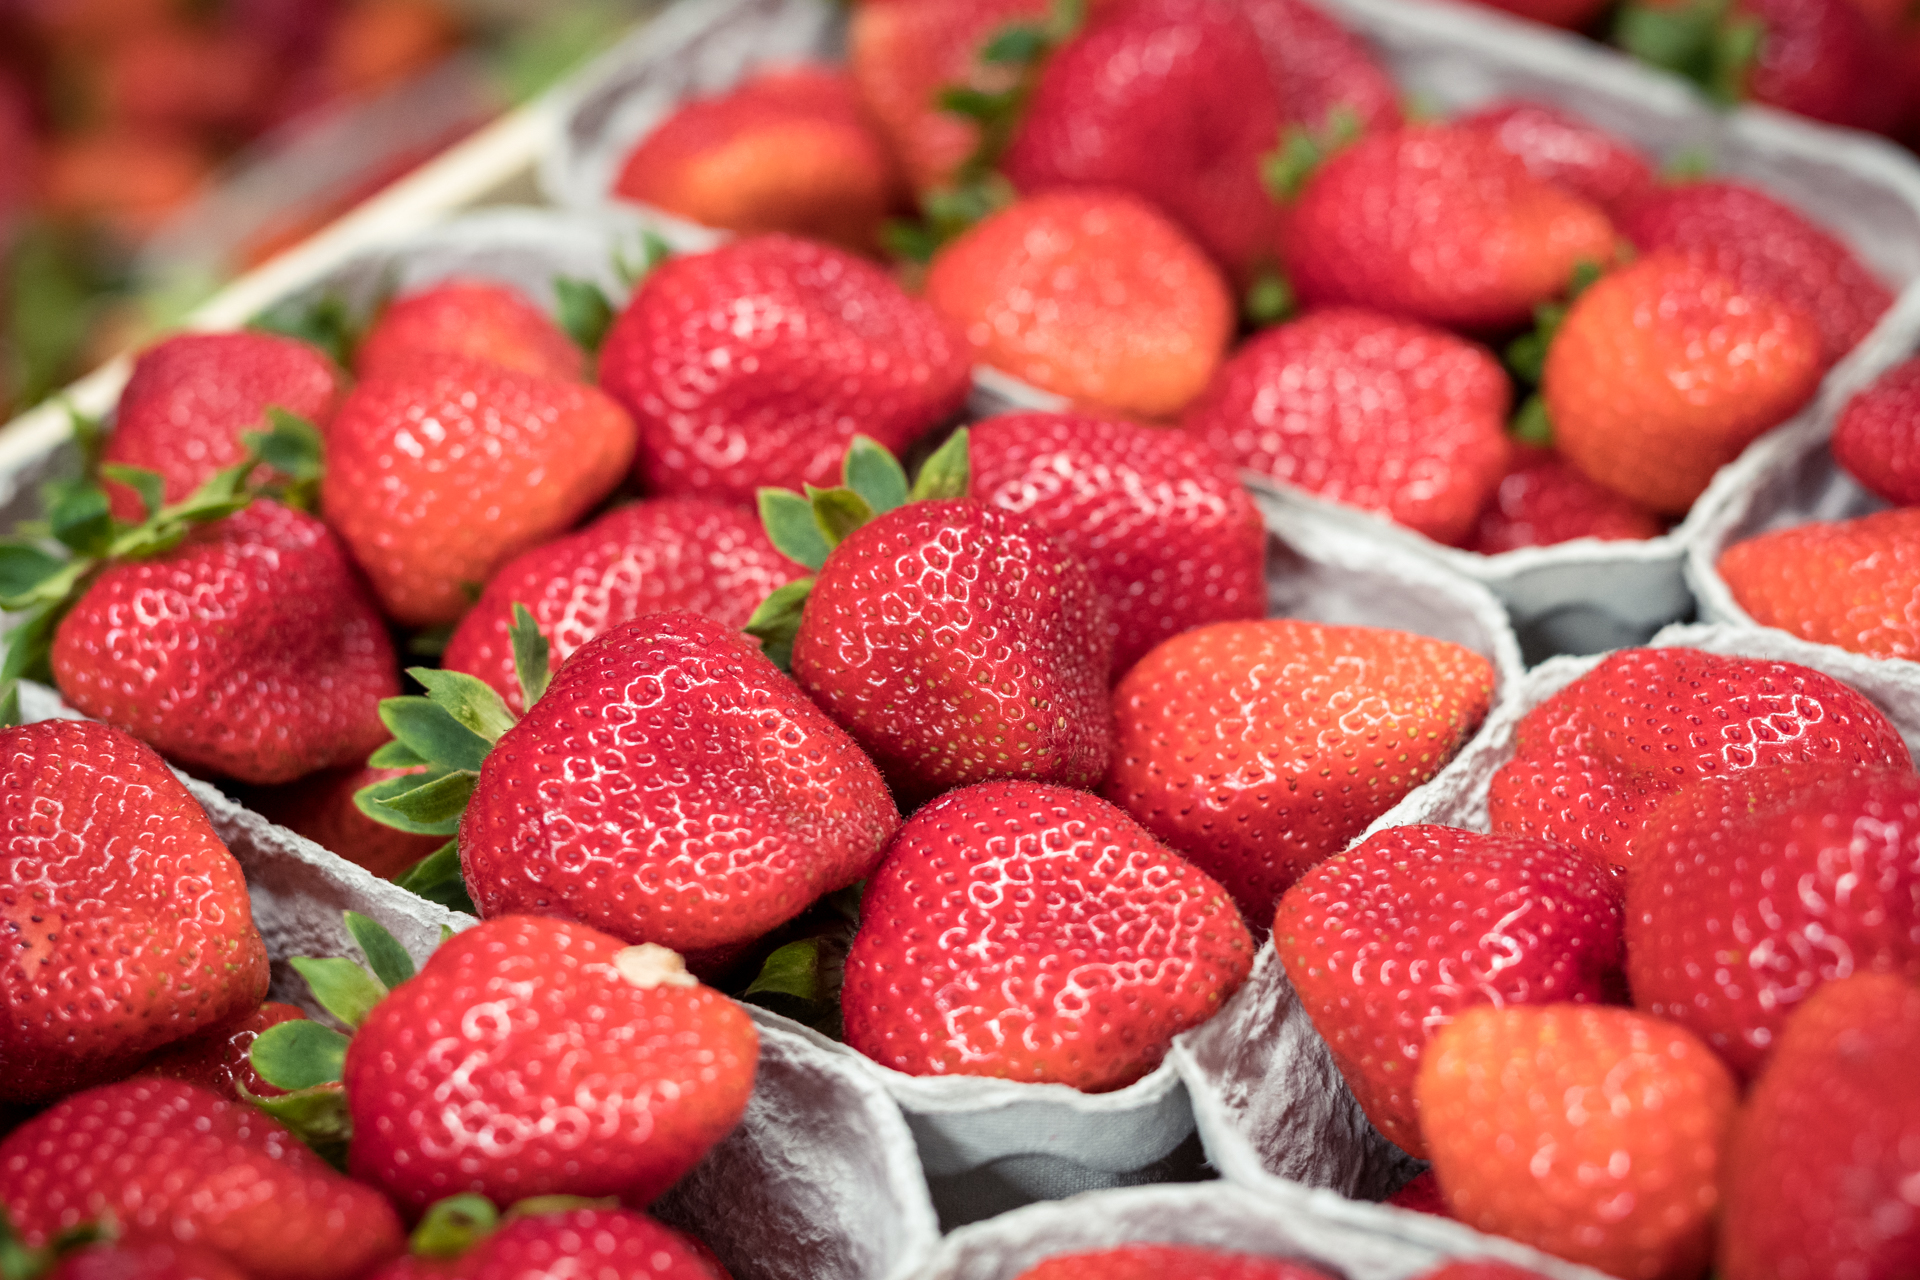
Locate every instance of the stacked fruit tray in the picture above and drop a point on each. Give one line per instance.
(929, 772)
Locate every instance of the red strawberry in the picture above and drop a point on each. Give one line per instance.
(321, 808)
(1479, 1269)
(1593, 1133)
(1439, 224)
(662, 554)
(189, 398)
(1159, 519)
(1259, 748)
(1360, 408)
(1036, 933)
(1825, 59)
(250, 650)
(789, 150)
(1571, 14)
(1542, 500)
(1826, 1154)
(1386, 942)
(1422, 1195)
(1749, 891)
(1851, 583)
(1565, 150)
(1320, 68)
(220, 1060)
(144, 1260)
(1160, 1261)
(1878, 436)
(755, 364)
(608, 1244)
(1592, 762)
(474, 318)
(1765, 246)
(166, 1158)
(537, 1057)
(672, 786)
(1089, 294)
(442, 472)
(129, 923)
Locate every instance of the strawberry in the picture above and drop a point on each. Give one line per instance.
(443, 471)
(1479, 1269)
(541, 1057)
(220, 1060)
(1228, 739)
(651, 557)
(755, 364)
(1542, 501)
(1421, 1194)
(1361, 408)
(144, 1260)
(1663, 371)
(130, 926)
(1386, 942)
(1851, 583)
(1439, 224)
(1158, 1261)
(1825, 1156)
(474, 318)
(320, 807)
(1114, 945)
(609, 1244)
(1092, 295)
(1768, 247)
(789, 150)
(1319, 68)
(1158, 518)
(1571, 14)
(163, 1157)
(1593, 1133)
(1567, 151)
(1750, 890)
(1591, 763)
(191, 396)
(1877, 438)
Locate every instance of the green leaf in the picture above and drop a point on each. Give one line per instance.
(299, 1055)
(976, 104)
(318, 1115)
(654, 250)
(585, 312)
(777, 621)
(791, 528)
(430, 642)
(10, 706)
(385, 956)
(875, 474)
(89, 437)
(436, 878)
(454, 1225)
(530, 654)
(435, 803)
(792, 970)
(1585, 273)
(1678, 37)
(909, 240)
(326, 322)
(395, 755)
(1269, 299)
(148, 485)
(1736, 47)
(291, 445)
(82, 518)
(1689, 165)
(1285, 170)
(24, 570)
(1017, 43)
(342, 987)
(468, 699)
(372, 801)
(838, 512)
(432, 733)
(1531, 425)
(945, 474)
(30, 641)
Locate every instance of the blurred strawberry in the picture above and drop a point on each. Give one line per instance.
(187, 77)
(375, 44)
(1321, 69)
(1479, 1269)
(1158, 1261)
(132, 180)
(1878, 436)
(1421, 1194)
(1851, 583)
(609, 1244)
(320, 807)
(1542, 501)
(144, 1259)
(1563, 149)
(1571, 14)
(220, 1060)
(474, 318)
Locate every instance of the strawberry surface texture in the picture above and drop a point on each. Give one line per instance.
(1851, 583)
(606, 1244)
(1154, 1261)
(475, 318)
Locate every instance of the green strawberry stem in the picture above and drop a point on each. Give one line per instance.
(454, 1225)
(1703, 40)
(1302, 150)
(1526, 355)
(1269, 299)
(21, 1261)
(326, 320)
(584, 309)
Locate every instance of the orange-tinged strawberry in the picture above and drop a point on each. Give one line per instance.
(1851, 583)
(474, 318)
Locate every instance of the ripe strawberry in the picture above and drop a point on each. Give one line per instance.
(1439, 224)
(1422, 1195)
(1360, 408)
(320, 807)
(537, 1057)
(442, 472)
(1571, 14)
(1089, 294)
(1083, 978)
(1479, 1269)
(756, 363)
(1825, 59)
(661, 554)
(144, 1260)
(130, 926)
(1386, 942)
(789, 150)
(1824, 1158)
(166, 1158)
(1749, 891)
(1158, 518)
(1878, 436)
(1765, 246)
(1851, 583)
(1592, 762)
(1666, 369)
(1563, 149)
(1158, 1261)
(190, 396)
(474, 318)
(1593, 1133)
(250, 650)
(1257, 749)
(219, 1060)
(1541, 501)
(1319, 68)
(608, 1244)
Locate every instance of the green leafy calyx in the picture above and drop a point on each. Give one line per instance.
(1705, 41)
(1302, 151)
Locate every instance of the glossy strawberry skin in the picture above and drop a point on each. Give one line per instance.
(1826, 1153)
(164, 1157)
(615, 1244)
(1591, 763)
(1750, 891)
(672, 786)
(756, 364)
(1851, 583)
(1480, 1269)
(474, 318)
(957, 643)
(653, 556)
(1360, 408)
(1319, 67)
(1257, 749)
(1438, 224)
(1156, 1261)
(1878, 436)
(1542, 500)
(1594, 1133)
(130, 926)
(191, 396)
(221, 1059)
(1159, 519)
(1036, 933)
(439, 474)
(522, 1061)
(1386, 942)
(251, 650)
(1567, 151)
(320, 807)
(144, 1260)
